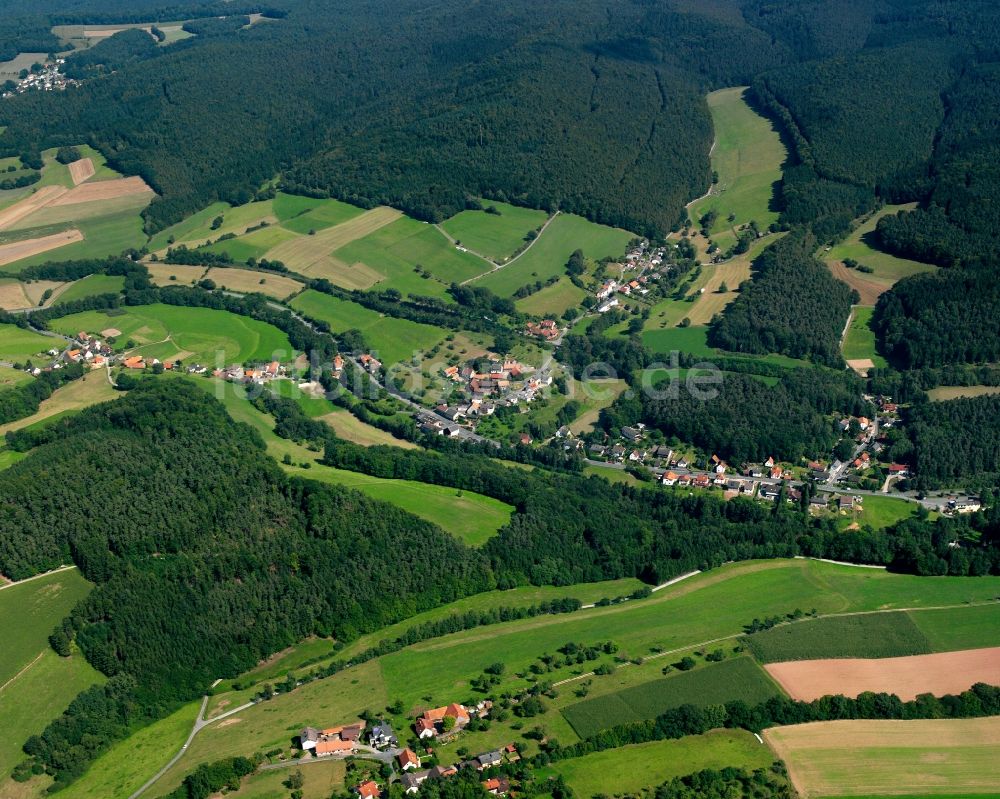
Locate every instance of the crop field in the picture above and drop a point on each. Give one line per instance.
(9, 69)
(492, 235)
(396, 251)
(873, 635)
(907, 677)
(13, 295)
(960, 628)
(162, 274)
(393, 340)
(81, 170)
(27, 248)
(18, 344)
(302, 214)
(548, 255)
(472, 518)
(90, 389)
(748, 156)
(943, 393)
(629, 769)
(191, 334)
(253, 245)
(936, 757)
(552, 300)
(713, 684)
(90, 286)
(246, 281)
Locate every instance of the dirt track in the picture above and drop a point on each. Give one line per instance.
(81, 170)
(17, 250)
(869, 290)
(939, 674)
(103, 190)
(19, 210)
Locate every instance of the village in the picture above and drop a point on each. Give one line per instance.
(40, 77)
(431, 729)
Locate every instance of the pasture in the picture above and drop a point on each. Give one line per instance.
(692, 340)
(872, 635)
(936, 757)
(547, 256)
(12, 377)
(302, 214)
(859, 342)
(907, 677)
(76, 395)
(960, 628)
(349, 427)
(18, 344)
(594, 395)
(90, 286)
(412, 257)
(630, 769)
(392, 339)
(201, 335)
(472, 518)
(552, 301)
(495, 236)
(321, 780)
(747, 156)
(255, 244)
(712, 684)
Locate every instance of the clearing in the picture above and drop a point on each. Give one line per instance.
(943, 393)
(859, 343)
(907, 677)
(937, 757)
(747, 156)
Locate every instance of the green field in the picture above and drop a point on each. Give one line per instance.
(321, 780)
(102, 236)
(18, 344)
(302, 214)
(392, 339)
(196, 230)
(882, 511)
(872, 635)
(252, 245)
(552, 300)
(692, 340)
(12, 377)
(200, 335)
(399, 248)
(960, 628)
(470, 517)
(496, 237)
(860, 339)
(629, 769)
(747, 156)
(547, 257)
(713, 684)
(90, 286)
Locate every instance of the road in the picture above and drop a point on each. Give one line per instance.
(36, 577)
(516, 257)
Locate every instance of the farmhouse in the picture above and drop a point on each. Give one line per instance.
(382, 736)
(334, 740)
(546, 329)
(407, 760)
(368, 790)
(432, 722)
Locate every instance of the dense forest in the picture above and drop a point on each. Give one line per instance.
(792, 305)
(110, 54)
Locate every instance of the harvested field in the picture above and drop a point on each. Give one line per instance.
(103, 190)
(907, 677)
(349, 276)
(81, 170)
(19, 210)
(36, 288)
(868, 290)
(306, 253)
(245, 280)
(861, 365)
(160, 274)
(942, 393)
(25, 249)
(943, 757)
(13, 297)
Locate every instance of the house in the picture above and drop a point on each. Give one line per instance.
(682, 462)
(816, 466)
(135, 362)
(617, 452)
(382, 736)
(546, 329)
(333, 746)
(489, 760)
(598, 449)
(664, 453)
(272, 369)
(669, 478)
(442, 772)
(769, 463)
(370, 363)
(819, 501)
(338, 365)
(431, 723)
(407, 760)
(631, 434)
(309, 737)
(845, 502)
(525, 439)
(368, 790)
(966, 505)
(607, 305)
(498, 786)
(412, 780)
(702, 481)
(897, 469)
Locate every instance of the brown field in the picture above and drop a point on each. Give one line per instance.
(24, 249)
(81, 170)
(861, 365)
(311, 254)
(103, 190)
(36, 288)
(712, 302)
(12, 297)
(345, 275)
(245, 280)
(160, 274)
(888, 757)
(45, 195)
(907, 677)
(942, 393)
(349, 427)
(868, 290)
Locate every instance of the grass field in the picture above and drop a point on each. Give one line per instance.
(244, 280)
(90, 389)
(322, 779)
(692, 340)
(860, 339)
(18, 344)
(12, 377)
(496, 237)
(253, 245)
(874, 635)
(548, 255)
(714, 684)
(962, 628)
(200, 335)
(302, 214)
(629, 769)
(748, 155)
(394, 340)
(470, 517)
(91, 285)
(943, 393)
(878, 758)
(552, 300)
(196, 230)
(348, 426)
(594, 395)
(881, 512)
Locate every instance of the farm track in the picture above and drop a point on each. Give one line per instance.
(531, 244)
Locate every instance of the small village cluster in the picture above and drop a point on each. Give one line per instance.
(47, 79)
(251, 374)
(441, 724)
(647, 262)
(503, 382)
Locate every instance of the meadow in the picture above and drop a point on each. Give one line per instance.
(18, 344)
(712, 684)
(196, 230)
(859, 343)
(302, 214)
(495, 236)
(943, 393)
(90, 389)
(552, 301)
(880, 512)
(392, 339)
(90, 286)
(549, 253)
(747, 156)
(321, 780)
(202, 335)
(630, 769)
(935, 757)
(960, 628)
